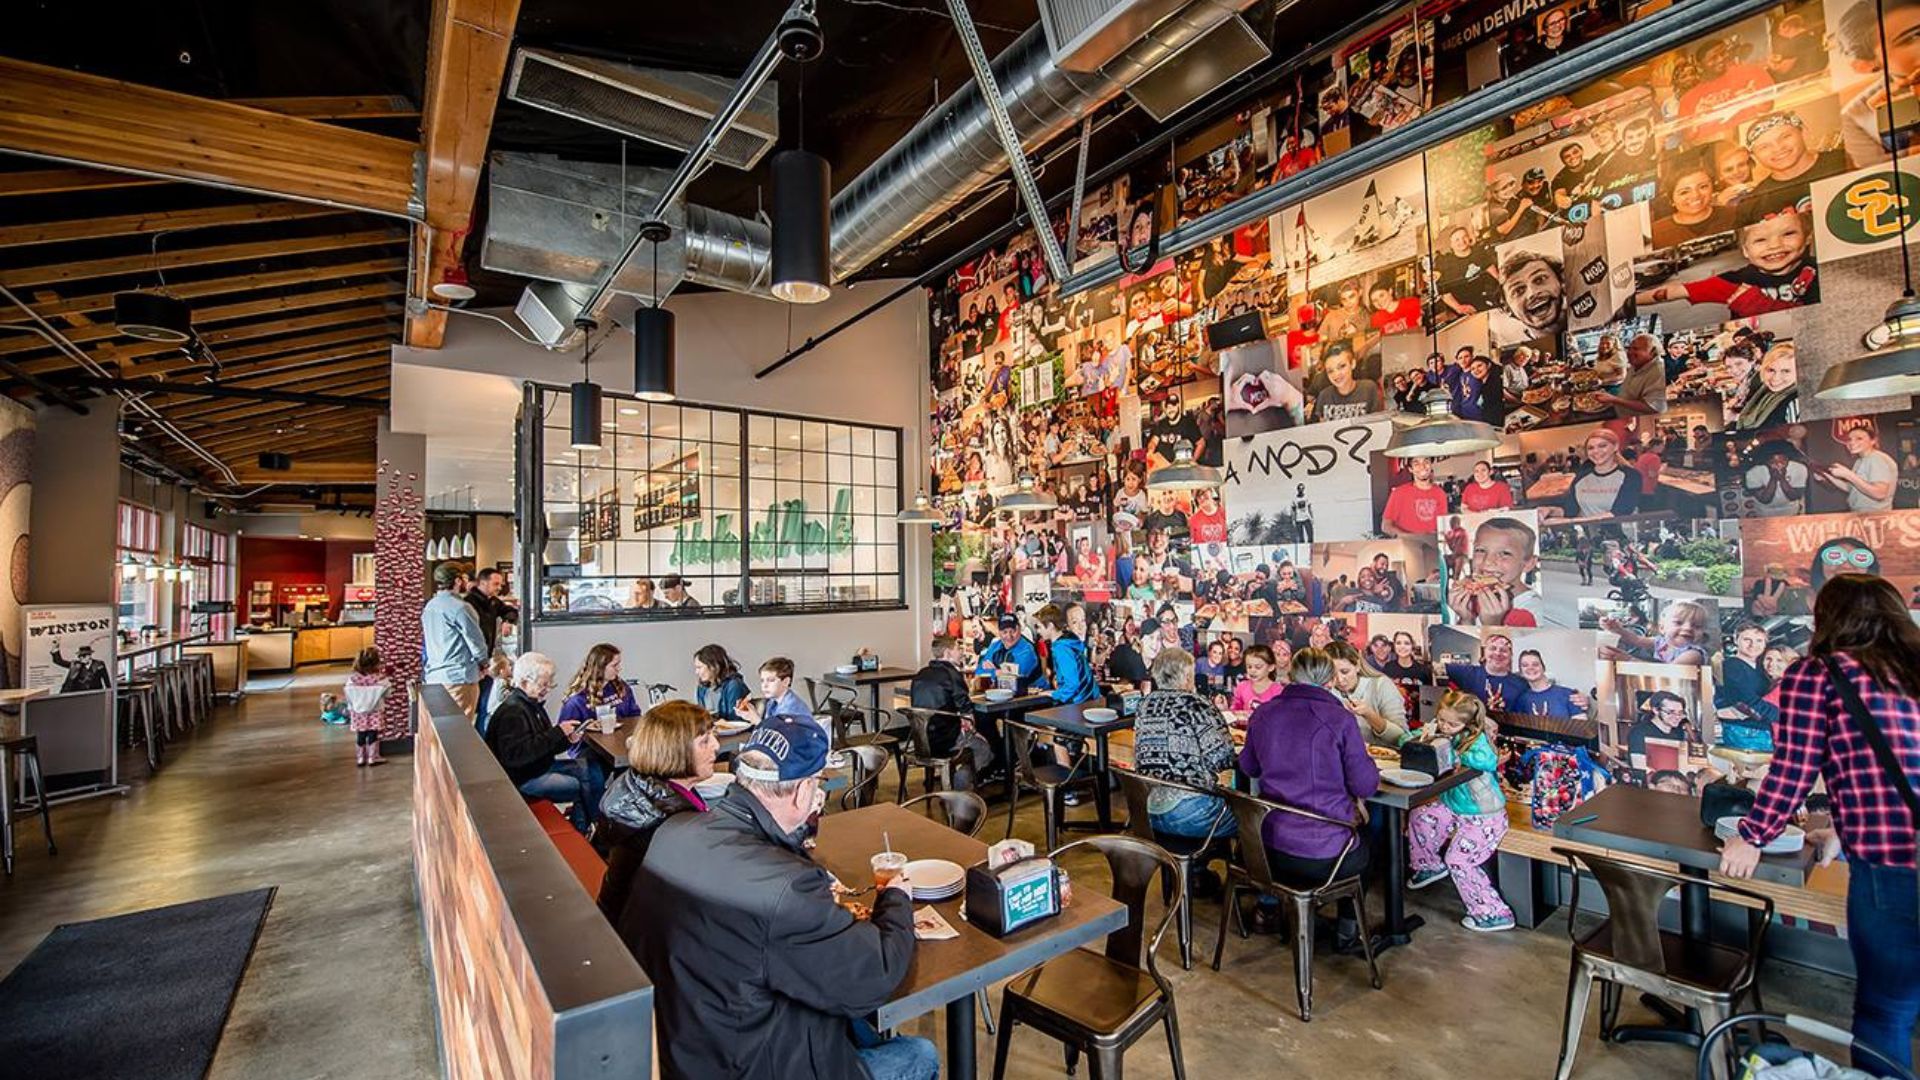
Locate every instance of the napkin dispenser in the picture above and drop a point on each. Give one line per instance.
(866, 661)
(1432, 758)
(1003, 899)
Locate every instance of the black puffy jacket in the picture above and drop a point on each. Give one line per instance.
(634, 807)
(756, 970)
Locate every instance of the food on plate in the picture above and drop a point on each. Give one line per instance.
(1383, 753)
(1292, 607)
(1588, 403)
(1537, 395)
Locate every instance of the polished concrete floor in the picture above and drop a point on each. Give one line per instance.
(266, 795)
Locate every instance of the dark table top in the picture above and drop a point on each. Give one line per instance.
(944, 971)
(1015, 703)
(1666, 826)
(1400, 798)
(869, 678)
(1072, 719)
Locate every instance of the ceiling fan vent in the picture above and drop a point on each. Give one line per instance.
(667, 108)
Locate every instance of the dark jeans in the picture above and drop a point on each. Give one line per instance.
(579, 781)
(1883, 930)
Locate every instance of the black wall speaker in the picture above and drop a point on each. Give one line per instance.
(1239, 330)
(276, 462)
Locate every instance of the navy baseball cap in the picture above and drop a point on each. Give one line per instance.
(798, 749)
(1009, 622)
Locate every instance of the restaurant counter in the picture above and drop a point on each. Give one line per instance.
(529, 979)
(284, 648)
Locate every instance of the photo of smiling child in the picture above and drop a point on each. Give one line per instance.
(1497, 586)
(1776, 239)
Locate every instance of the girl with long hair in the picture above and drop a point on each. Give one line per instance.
(721, 688)
(1863, 668)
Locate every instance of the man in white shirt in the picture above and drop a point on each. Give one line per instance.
(1644, 390)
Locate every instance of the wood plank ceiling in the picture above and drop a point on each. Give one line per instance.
(285, 222)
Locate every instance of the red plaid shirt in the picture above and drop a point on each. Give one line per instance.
(1816, 737)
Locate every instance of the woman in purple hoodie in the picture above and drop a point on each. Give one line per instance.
(1305, 751)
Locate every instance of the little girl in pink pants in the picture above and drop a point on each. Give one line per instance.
(1468, 821)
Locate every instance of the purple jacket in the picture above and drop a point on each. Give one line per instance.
(1304, 750)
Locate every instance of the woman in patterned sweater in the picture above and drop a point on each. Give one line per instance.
(1179, 735)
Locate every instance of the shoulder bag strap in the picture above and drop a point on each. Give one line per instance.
(1882, 750)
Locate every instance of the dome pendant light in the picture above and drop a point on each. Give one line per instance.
(1028, 499)
(1892, 368)
(1440, 433)
(920, 513)
(1183, 474)
(653, 375)
(586, 397)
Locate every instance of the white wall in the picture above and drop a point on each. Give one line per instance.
(872, 373)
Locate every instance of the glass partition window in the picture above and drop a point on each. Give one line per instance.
(689, 507)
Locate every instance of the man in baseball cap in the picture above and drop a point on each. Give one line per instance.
(755, 965)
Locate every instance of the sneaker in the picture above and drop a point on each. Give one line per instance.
(1423, 878)
(1487, 924)
(1073, 798)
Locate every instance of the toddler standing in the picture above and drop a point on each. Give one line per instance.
(366, 690)
(1468, 820)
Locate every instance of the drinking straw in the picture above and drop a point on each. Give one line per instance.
(888, 841)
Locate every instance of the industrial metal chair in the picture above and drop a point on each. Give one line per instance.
(953, 770)
(869, 765)
(1253, 872)
(964, 811)
(26, 749)
(1187, 851)
(1051, 780)
(1628, 950)
(1100, 1004)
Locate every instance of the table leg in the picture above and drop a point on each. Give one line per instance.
(960, 1049)
(1399, 926)
(1006, 757)
(1102, 796)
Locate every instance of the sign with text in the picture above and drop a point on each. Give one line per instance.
(67, 648)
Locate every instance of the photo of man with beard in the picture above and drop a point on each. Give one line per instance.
(1533, 296)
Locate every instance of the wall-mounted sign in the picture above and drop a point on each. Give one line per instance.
(68, 648)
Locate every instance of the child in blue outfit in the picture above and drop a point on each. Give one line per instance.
(1073, 681)
(777, 696)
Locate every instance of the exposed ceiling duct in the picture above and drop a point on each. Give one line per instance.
(950, 154)
(666, 108)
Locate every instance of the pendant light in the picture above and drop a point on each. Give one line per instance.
(802, 211)
(1183, 473)
(920, 513)
(1440, 433)
(586, 395)
(653, 331)
(1029, 499)
(1892, 367)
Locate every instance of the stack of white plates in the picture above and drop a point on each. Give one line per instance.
(936, 879)
(1788, 842)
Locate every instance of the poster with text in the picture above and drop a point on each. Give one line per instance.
(68, 648)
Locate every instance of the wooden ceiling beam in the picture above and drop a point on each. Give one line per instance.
(60, 181)
(93, 228)
(234, 361)
(255, 435)
(82, 269)
(298, 359)
(92, 331)
(319, 378)
(317, 472)
(467, 52)
(126, 354)
(346, 107)
(85, 119)
(187, 290)
(245, 421)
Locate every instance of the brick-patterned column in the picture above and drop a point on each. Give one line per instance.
(399, 570)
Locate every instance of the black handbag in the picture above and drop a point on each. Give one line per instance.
(1877, 739)
(1721, 799)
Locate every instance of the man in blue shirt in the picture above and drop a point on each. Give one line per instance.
(1493, 680)
(456, 650)
(1012, 648)
(1073, 680)
(777, 696)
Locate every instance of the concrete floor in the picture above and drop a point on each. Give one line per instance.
(266, 795)
(263, 795)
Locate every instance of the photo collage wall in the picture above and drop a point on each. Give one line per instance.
(1639, 283)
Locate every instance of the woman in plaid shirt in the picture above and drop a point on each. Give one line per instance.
(1861, 622)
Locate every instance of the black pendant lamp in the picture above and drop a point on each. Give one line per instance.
(586, 397)
(653, 331)
(800, 227)
(1891, 367)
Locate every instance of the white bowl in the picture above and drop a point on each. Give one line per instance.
(997, 695)
(1100, 716)
(846, 669)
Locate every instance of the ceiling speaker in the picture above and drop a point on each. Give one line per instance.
(153, 317)
(274, 461)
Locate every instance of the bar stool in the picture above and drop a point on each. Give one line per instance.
(27, 749)
(172, 716)
(200, 666)
(140, 698)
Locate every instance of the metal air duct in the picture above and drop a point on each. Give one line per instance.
(666, 108)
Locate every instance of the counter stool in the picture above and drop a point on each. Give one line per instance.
(171, 716)
(140, 698)
(200, 666)
(187, 710)
(25, 748)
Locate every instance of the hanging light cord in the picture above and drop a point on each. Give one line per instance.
(1893, 151)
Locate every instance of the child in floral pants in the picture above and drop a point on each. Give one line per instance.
(1467, 821)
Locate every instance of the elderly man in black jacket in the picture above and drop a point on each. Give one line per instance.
(528, 744)
(758, 973)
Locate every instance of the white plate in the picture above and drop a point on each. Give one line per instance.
(1100, 716)
(1790, 840)
(846, 669)
(998, 695)
(1406, 778)
(730, 727)
(935, 877)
